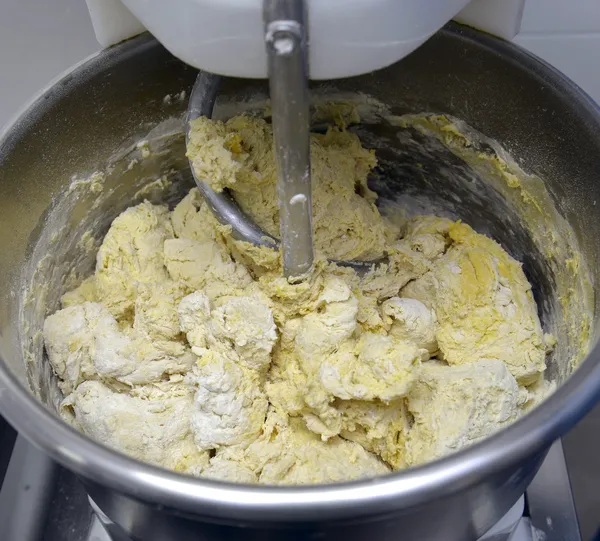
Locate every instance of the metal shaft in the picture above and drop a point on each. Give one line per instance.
(286, 42)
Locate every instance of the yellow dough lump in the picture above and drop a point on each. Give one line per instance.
(239, 155)
(190, 350)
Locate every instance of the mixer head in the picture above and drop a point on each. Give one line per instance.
(346, 38)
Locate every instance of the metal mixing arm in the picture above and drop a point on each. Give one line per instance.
(286, 41)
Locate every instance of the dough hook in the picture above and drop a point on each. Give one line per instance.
(286, 43)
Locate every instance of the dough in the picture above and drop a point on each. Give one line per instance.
(190, 350)
(238, 155)
(233, 344)
(373, 367)
(484, 306)
(456, 406)
(154, 428)
(287, 453)
(132, 253)
(410, 319)
(85, 342)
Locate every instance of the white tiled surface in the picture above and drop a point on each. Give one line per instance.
(576, 55)
(561, 16)
(565, 33)
(39, 39)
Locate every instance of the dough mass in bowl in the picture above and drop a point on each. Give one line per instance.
(190, 350)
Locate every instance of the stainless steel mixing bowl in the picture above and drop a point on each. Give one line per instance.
(94, 118)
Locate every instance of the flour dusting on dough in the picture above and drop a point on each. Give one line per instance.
(190, 350)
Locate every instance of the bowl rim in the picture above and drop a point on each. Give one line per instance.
(531, 434)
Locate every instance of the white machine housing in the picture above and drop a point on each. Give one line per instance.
(346, 37)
